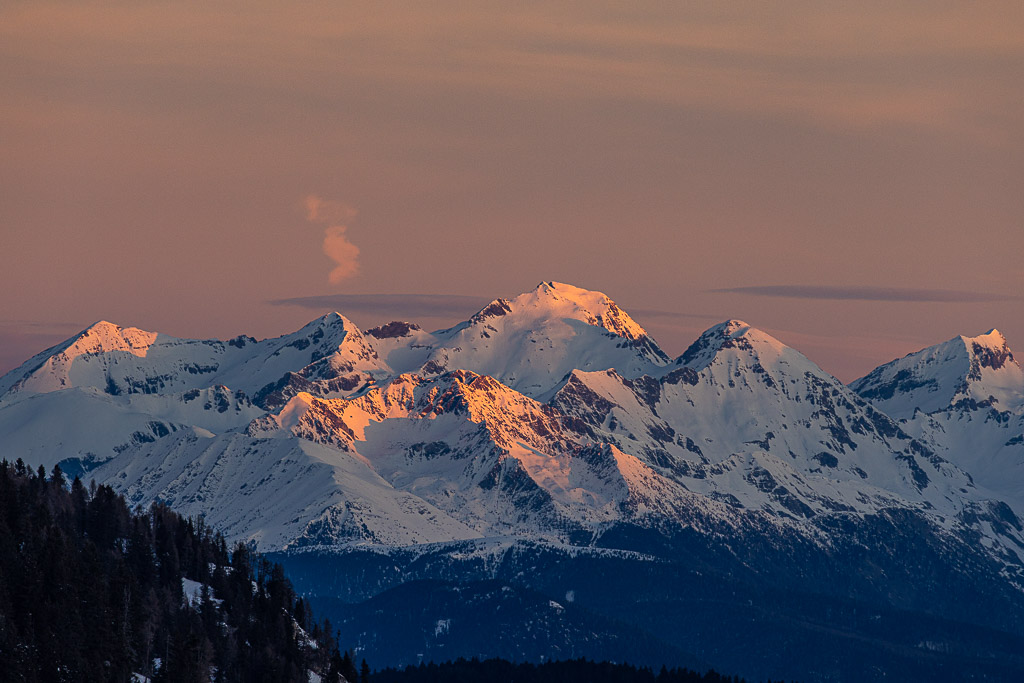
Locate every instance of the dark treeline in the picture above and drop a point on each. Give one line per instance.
(571, 671)
(91, 591)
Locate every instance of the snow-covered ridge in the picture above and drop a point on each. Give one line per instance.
(602, 311)
(131, 361)
(51, 370)
(978, 369)
(742, 417)
(964, 399)
(550, 416)
(735, 339)
(529, 343)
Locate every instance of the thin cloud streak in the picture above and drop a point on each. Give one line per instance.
(898, 294)
(398, 305)
(670, 315)
(40, 325)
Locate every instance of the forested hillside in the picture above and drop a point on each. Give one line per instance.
(92, 591)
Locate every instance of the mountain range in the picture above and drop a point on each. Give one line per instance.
(548, 442)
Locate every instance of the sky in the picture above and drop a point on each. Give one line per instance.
(846, 176)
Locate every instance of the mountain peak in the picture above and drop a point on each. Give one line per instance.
(991, 339)
(594, 308)
(102, 325)
(550, 286)
(961, 371)
(49, 370)
(731, 334)
(990, 350)
(733, 328)
(103, 336)
(329, 330)
(995, 334)
(530, 342)
(328, 320)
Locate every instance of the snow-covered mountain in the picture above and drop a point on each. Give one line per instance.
(552, 425)
(126, 360)
(964, 399)
(961, 371)
(529, 343)
(744, 418)
(550, 416)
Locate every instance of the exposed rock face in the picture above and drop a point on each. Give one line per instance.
(394, 329)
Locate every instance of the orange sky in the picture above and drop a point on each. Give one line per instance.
(865, 160)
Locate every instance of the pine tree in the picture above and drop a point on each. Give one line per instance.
(336, 667)
(348, 668)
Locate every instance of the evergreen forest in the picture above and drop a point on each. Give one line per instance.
(93, 591)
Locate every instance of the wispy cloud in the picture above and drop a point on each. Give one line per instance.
(669, 315)
(903, 294)
(41, 326)
(336, 246)
(391, 305)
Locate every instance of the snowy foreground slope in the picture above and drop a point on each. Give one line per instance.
(549, 420)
